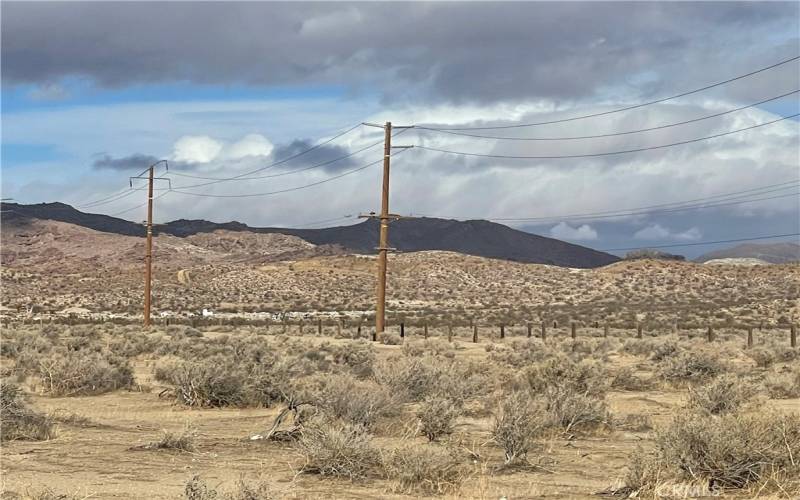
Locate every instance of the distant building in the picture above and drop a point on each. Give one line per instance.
(207, 313)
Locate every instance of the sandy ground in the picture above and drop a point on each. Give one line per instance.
(98, 461)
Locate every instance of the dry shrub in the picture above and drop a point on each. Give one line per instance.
(425, 470)
(197, 489)
(182, 441)
(573, 393)
(358, 356)
(728, 451)
(357, 402)
(414, 379)
(784, 384)
(691, 366)
(225, 381)
(17, 421)
(517, 423)
(725, 394)
(338, 449)
(437, 416)
(763, 357)
(585, 377)
(626, 379)
(434, 347)
(388, 338)
(72, 373)
(521, 353)
(574, 411)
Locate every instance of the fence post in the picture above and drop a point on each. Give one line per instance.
(449, 333)
(319, 326)
(749, 337)
(710, 334)
(574, 330)
(502, 331)
(639, 331)
(300, 327)
(544, 332)
(555, 324)
(402, 330)
(474, 333)
(605, 331)
(425, 330)
(530, 330)
(339, 329)
(359, 330)
(793, 336)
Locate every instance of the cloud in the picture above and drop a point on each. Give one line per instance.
(132, 162)
(564, 231)
(250, 145)
(460, 52)
(49, 92)
(196, 149)
(659, 232)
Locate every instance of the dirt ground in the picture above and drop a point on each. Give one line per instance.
(99, 460)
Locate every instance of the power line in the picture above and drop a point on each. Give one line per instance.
(280, 162)
(297, 188)
(138, 206)
(650, 129)
(702, 242)
(626, 108)
(653, 209)
(318, 165)
(610, 153)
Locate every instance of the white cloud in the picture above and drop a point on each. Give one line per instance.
(659, 232)
(249, 145)
(196, 149)
(564, 231)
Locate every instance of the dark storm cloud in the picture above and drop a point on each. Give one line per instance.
(326, 155)
(458, 52)
(132, 162)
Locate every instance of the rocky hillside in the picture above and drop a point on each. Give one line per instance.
(476, 237)
(774, 253)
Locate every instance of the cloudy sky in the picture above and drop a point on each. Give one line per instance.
(94, 92)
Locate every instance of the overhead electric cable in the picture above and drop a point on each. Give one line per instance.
(137, 206)
(284, 160)
(280, 191)
(759, 191)
(627, 108)
(610, 153)
(318, 165)
(773, 236)
(649, 129)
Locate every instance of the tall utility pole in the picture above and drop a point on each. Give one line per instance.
(148, 253)
(383, 238)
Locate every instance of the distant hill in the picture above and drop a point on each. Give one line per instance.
(774, 253)
(475, 237)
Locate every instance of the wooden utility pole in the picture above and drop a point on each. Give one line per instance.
(148, 255)
(383, 238)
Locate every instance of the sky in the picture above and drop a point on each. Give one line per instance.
(93, 93)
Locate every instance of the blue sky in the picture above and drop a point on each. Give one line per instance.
(223, 89)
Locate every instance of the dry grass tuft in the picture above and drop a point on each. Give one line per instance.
(725, 394)
(17, 421)
(425, 470)
(728, 451)
(338, 449)
(437, 416)
(517, 423)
